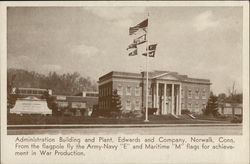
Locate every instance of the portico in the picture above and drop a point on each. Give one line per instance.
(166, 96)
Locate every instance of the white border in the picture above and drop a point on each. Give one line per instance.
(242, 153)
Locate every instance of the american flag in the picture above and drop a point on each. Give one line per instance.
(143, 25)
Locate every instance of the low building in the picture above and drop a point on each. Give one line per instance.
(227, 109)
(169, 92)
(82, 103)
(91, 99)
(71, 105)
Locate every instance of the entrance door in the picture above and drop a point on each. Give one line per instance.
(167, 108)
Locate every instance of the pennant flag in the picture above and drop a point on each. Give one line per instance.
(132, 45)
(143, 25)
(133, 53)
(140, 40)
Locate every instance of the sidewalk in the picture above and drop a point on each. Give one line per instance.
(114, 126)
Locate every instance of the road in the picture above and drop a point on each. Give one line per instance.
(171, 130)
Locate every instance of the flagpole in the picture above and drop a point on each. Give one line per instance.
(147, 51)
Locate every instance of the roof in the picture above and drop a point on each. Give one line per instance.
(34, 89)
(152, 75)
(90, 101)
(69, 98)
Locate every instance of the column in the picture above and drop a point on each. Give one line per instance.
(153, 96)
(177, 101)
(180, 100)
(157, 98)
(172, 99)
(164, 99)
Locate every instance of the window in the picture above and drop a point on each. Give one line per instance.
(78, 105)
(204, 94)
(128, 90)
(128, 105)
(109, 91)
(149, 91)
(203, 105)
(137, 105)
(189, 106)
(182, 93)
(119, 90)
(189, 93)
(196, 107)
(137, 91)
(197, 93)
(62, 104)
(149, 104)
(182, 105)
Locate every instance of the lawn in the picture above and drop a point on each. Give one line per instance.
(52, 120)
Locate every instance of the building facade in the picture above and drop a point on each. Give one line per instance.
(169, 92)
(82, 102)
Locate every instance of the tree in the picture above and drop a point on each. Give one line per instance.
(222, 97)
(11, 98)
(115, 103)
(233, 99)
(12, 93)
(51, 102)
(212, 105)
(62, 84)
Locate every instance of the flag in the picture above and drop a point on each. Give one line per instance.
(133, 53)
(140, 40)
(151, 48)
(143, 25)
(150, 54)
(132, 45)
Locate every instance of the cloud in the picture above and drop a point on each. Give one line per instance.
(204, 21)
(115, 13)
(51, 67)
(23, 62)
(87, 51)
(120, 16)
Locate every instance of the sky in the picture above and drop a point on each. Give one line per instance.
(201, 42)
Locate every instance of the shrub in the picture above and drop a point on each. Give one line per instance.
(236, 120)
(185, 111)
(151, 111)
(212, 106)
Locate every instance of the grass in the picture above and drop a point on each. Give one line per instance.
(43, 120)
